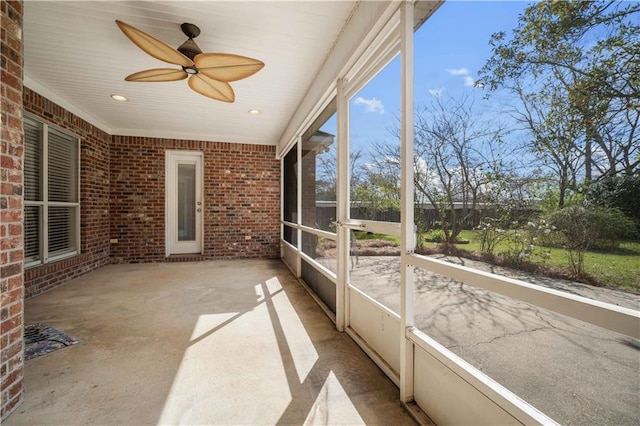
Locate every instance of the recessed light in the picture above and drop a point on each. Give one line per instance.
(255, 111)
(119, 98)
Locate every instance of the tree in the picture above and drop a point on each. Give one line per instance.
(588, 54)
(328, 168)
(373, 189)
(555, 136)
(326, 174)
(457, 160)
(376, 191)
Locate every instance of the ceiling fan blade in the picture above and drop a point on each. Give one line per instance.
(218, 90)
(158, 74)
(227, 67)
(153, 46)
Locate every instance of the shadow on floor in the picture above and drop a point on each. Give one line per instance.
(223, 342)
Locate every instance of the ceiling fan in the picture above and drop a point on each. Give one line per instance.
(209, 73)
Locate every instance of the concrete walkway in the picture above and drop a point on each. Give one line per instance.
(226, 342)
(574, 372)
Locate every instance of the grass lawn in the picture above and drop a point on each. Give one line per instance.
(364, 236)
(620, 268)
(616, 269)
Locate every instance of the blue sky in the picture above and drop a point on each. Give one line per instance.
(450, 49)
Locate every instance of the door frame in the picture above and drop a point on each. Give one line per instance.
(170, 157)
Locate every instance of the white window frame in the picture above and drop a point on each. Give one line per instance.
(44, 203)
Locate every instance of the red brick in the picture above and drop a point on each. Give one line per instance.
(16, 362)
(7, 216)
(15, 229)
(15, 122)
(16, 256)
(14, 283)
(11, 269)
(17, 9)
(9, 162)
(10, 243)
(15, 309)
(15, 203)
(15, 44)
(14, 176)
(7, 326)
(16, 334)
(14, 94)
(16, 389)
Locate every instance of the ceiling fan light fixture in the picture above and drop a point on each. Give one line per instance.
(255, 112)
(119, 98)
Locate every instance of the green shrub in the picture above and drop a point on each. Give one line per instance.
(491, 234)
(611, 226)
(521, 243)
(587, 228)
(592, 227)
(436, 236)
(618, 191)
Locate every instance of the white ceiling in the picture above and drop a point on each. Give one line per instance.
(76, 56)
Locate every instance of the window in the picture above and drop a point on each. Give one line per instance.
(51, 193)
(290, 195)
(319, 171)
(374, 182)
(318, 205)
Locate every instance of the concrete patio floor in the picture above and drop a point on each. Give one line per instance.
(220, 342)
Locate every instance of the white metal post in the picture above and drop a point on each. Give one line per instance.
(407, 227)
(343, 202)
(299, 205)
(281, 203)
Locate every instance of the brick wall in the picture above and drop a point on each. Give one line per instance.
(94, 197)
(127, 202)
(240, 207)
(11, 198)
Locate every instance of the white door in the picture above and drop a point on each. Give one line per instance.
(184, 202)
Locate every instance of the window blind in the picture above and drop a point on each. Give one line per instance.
(61, 230)
(62, 165)
(32, 215)
(32, 160)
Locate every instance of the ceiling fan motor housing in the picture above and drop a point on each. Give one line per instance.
(189, 48)
(190, 30)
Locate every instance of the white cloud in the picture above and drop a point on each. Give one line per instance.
(458, 71)
(437, 92)
(371, 105)
(469, 81)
